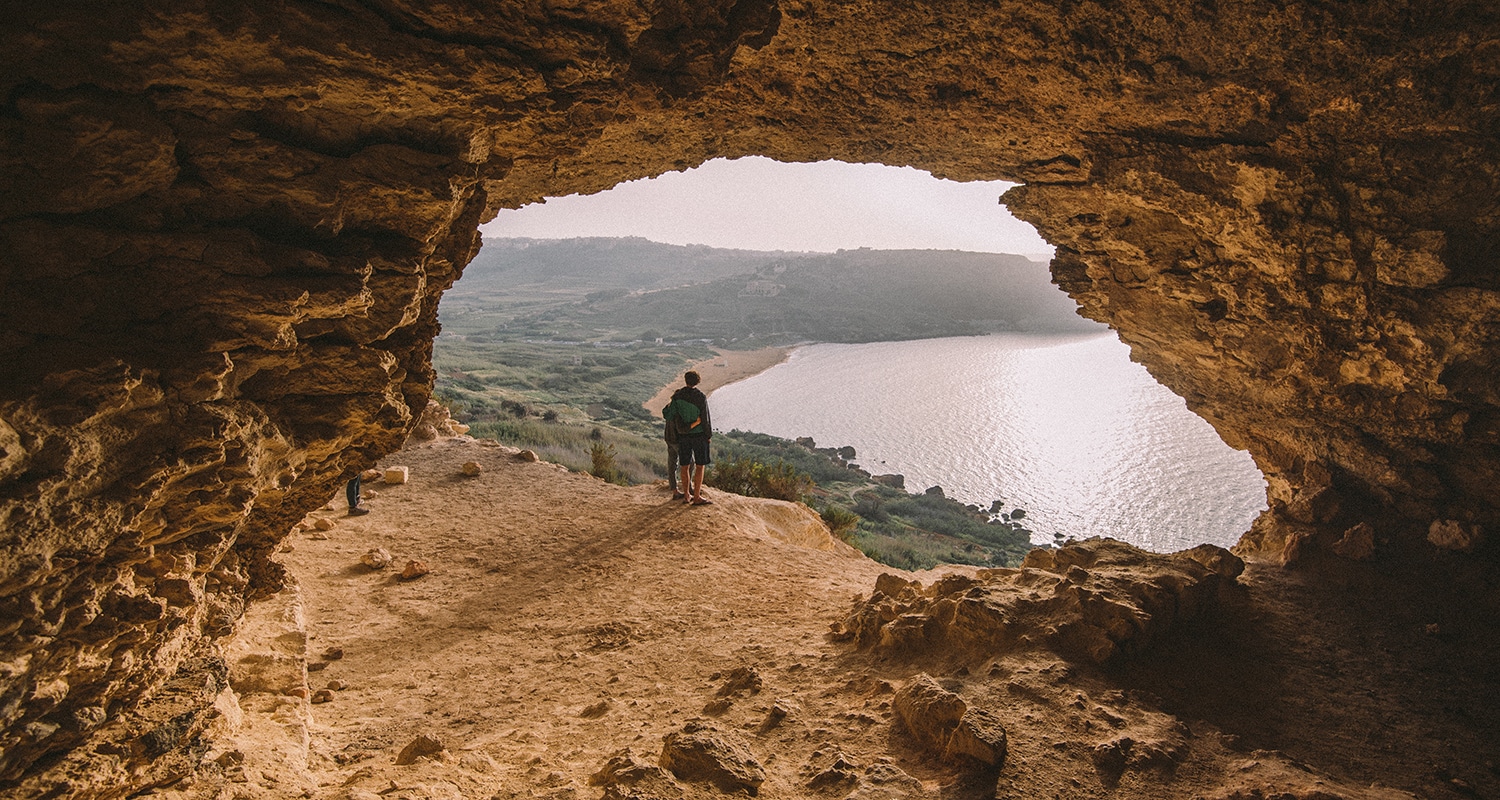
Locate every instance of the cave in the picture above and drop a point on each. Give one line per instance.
(225, 229)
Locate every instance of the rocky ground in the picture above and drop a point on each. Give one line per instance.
(574, 638)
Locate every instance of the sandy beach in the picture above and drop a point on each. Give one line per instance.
(721, 370)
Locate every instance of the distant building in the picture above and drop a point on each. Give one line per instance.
(761, 289)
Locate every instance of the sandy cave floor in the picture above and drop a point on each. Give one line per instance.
(566, 619)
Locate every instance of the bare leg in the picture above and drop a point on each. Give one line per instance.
(697, 482)
(687, 486)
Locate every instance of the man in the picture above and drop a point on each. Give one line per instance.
(692, 439)
(671, 437)
(351, 491)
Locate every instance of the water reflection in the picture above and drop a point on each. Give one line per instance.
(1065, 426)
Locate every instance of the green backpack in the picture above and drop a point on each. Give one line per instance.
(682, 416)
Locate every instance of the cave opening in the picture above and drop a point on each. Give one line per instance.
(228, 230)
(1064, 432)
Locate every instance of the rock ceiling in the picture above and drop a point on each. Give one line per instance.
(225, 228)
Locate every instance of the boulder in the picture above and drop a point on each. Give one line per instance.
(703, 753)
(945, 725)
(396, 475)
(414, 569)
(472, 469)
(1092, 600)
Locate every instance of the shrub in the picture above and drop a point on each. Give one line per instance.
(779, 481)
(840, 521)
(603, 457)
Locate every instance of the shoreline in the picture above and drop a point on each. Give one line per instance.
(726, 367)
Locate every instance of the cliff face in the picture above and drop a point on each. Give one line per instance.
(225, 229)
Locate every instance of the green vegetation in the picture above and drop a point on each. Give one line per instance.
(553, 346)
(746, 476)
(889, 525)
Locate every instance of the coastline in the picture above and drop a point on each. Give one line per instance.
(726, 367)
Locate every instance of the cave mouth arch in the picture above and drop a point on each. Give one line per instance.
(1099, 425)
(226, 232)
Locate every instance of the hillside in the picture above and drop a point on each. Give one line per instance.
(623, 290)
(576, 639)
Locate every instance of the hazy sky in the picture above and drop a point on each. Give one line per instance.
(759, 204)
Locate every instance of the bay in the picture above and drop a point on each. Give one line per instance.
(1065, 426)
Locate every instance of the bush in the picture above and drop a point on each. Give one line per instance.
(841, 522)
(603, 457)
(779, 481)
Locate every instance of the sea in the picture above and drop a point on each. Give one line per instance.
(1064, 426)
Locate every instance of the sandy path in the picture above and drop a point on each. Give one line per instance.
(564, 619)
(721, 370)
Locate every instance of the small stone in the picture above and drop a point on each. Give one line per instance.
(718, 707)
(370, 475)
(322, 696)
(527, 455)
(333, 654)
(335, 686)
(317, 666)
(472, 469)
(298, 692)
(596, 710)
(477, 762)
(628, 775)
(423, 746)
(378, 558)
(397, 475)
(741, 679)
(778, 714)
(325, 524)
(369, 495)
(414, 569)
(1454, 535)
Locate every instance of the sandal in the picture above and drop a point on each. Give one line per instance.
(698, 501)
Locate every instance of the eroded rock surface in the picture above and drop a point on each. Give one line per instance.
(225, 230)
(1091, 600)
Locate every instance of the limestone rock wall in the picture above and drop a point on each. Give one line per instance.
(225, 228)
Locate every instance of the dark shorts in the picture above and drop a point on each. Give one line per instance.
(692, 450)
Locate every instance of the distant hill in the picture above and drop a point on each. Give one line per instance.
(628, 263)
(628, 289)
